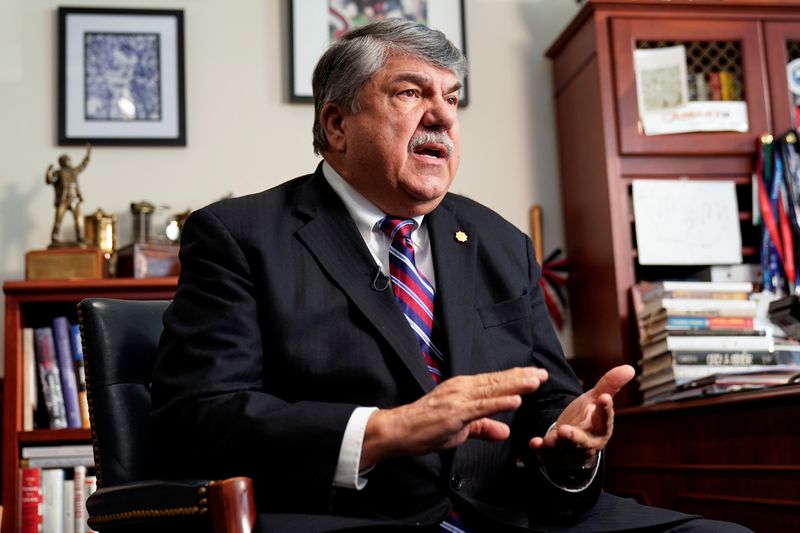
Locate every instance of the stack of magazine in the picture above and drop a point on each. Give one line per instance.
(701, 337)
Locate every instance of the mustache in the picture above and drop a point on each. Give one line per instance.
(432, 137)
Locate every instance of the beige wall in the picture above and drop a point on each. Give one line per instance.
(243, 136)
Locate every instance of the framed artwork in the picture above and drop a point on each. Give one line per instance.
(317, 23)
(120, 77)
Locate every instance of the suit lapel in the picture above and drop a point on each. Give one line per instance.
(332, 237)
(454, 262)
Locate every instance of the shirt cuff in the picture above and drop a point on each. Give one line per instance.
(347, 475)
(577, 479)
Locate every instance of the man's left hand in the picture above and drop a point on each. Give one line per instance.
(585, 426)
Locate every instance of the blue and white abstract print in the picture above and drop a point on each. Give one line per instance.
(122, 76)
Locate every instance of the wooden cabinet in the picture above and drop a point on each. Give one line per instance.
(732, 457)
(602, 147)
(34, 304)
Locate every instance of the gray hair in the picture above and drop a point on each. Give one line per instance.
(351, 61)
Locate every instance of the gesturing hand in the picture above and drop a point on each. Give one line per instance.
(450, 414)
(586, 425)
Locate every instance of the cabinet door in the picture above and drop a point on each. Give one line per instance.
(783, 45)
(712, 46)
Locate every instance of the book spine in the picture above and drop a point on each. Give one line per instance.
(710, 322)
(52, 500)
(28, 379)
(80, 372)
(91, 487)
(57, 451)
(61, 462)
(742, 358)
(30, 498)
(66, 367)
(68, 517)
(718, 343)
(50, 378)
(79, 475)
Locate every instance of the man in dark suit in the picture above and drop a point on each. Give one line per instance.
(372, 350)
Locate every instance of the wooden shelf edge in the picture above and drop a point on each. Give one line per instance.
(770, 393)
(54, 435)
(92, 285)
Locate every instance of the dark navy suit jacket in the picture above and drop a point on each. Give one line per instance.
(276, 335)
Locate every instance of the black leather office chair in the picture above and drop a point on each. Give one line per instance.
(119, 341)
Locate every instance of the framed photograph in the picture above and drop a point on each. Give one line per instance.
(120, 77)
(317, 23)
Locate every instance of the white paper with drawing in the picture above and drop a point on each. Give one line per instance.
(682, 222)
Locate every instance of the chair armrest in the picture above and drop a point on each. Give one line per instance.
(192, 505)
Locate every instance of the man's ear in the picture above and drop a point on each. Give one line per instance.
(332, 121)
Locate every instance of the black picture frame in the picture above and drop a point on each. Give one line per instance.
(121, 79)
(309, 36)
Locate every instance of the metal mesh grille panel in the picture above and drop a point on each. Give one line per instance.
(793, 50)
(707, 57)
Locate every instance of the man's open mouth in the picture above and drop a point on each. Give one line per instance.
(435, 151)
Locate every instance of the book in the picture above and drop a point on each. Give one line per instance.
(28, 379)
(697, 307)
(30, 500)
(685, 374)
(69, 461)
(738, 358)
(66, 368)
(68, 516)
(672, 394)
(91, 487)
(646, 337)
(697, 289)
(50, 377)
(712, 343)
(760, 376)
(701, 322)
(80, 374)
(66, 450)
(79, 503)
(52, 500)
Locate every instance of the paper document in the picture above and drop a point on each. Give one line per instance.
(683, 222)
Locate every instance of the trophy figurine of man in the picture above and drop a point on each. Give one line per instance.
(67, 196)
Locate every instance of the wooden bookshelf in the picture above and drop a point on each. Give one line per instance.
(35, 303)
(664, 455)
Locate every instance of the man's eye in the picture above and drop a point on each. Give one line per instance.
(409, 93)
(452, 100)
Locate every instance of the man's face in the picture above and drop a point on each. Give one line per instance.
(401, 150)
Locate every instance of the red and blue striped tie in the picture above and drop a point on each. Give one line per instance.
(412, 290)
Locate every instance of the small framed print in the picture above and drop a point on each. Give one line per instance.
(121, 77)
(315, 24)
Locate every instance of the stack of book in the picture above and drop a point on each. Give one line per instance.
(689, 330)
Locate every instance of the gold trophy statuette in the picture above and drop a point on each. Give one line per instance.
(65, 259)
(67, 197)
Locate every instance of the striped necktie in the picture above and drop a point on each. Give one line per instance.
(412, 290)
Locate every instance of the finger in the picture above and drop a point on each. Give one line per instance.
(488, 429)
(613, 380)
(602, 415)
(490, 406)
(512, 381)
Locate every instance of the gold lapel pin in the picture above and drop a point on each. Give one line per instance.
(461, 236)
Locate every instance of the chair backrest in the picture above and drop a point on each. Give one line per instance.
(120, 338)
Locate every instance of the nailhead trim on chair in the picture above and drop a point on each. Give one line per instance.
(95, 445)
(171, 512)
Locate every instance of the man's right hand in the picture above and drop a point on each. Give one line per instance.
(457, 409)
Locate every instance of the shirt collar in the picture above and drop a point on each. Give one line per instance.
(365, 214)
